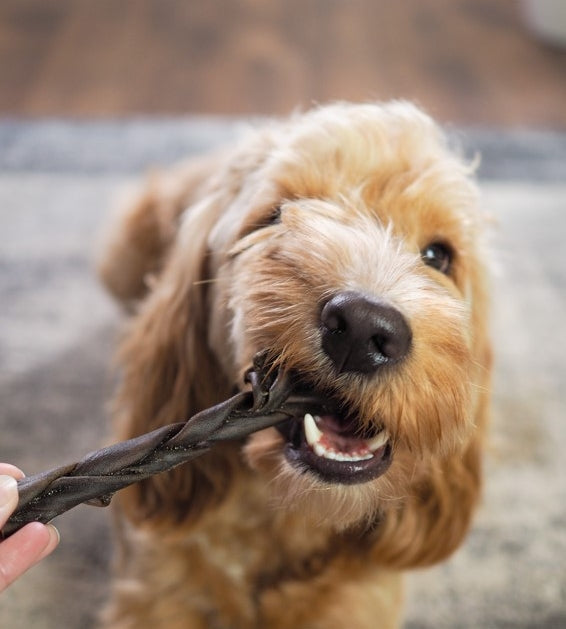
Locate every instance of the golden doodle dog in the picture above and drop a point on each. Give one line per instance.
(347, 242)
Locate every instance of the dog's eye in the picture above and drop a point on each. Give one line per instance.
(259, 222)
(275, 216)
(272, 218)
(439, 256)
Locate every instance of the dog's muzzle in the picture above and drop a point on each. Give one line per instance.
(360, 335)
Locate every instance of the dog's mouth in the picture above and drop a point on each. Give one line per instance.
(331, 443)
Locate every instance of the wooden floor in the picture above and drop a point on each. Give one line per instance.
(466, 61)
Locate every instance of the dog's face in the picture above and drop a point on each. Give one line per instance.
(352, 254)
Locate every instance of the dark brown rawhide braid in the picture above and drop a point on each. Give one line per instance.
(95, 478)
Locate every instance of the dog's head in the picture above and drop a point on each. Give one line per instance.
(347, 243)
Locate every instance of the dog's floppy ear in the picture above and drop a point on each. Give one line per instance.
(144, 225)
(437, 513)
(169, 373)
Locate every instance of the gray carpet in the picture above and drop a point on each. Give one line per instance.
(57, 330)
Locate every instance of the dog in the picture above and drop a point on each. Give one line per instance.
(349, 244)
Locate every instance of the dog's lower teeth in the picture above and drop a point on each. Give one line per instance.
(321, 451)
(314, 437)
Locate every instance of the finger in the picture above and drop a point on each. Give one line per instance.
(23, 550)
(11, 470)
(8, 497)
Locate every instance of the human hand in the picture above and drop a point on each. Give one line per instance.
(28, 545)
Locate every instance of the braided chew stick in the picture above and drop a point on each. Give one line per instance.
(96, 477)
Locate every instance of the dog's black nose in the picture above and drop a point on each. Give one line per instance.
(360, 334)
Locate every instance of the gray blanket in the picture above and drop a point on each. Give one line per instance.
(57, 331)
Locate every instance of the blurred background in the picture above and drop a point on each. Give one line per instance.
(93, 93)
(465, 61)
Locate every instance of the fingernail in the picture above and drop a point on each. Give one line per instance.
(8, 492)
(54, 539)
(55, 535)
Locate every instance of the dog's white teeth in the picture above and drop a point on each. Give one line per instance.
(320, 450)
(320, 446)
(378, 441)
(312, 432)
(342, 456)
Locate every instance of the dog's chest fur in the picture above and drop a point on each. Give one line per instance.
(247, 561)
(258, 544)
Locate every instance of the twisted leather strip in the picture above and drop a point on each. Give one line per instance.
(95, 478)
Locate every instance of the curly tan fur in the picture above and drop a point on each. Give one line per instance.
(240, 538)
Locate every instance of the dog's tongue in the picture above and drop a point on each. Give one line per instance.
(337, 435)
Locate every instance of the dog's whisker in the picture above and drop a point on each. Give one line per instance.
(482, 388)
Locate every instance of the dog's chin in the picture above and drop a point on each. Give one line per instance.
(340, 494)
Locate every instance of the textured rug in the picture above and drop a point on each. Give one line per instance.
(57, 330)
